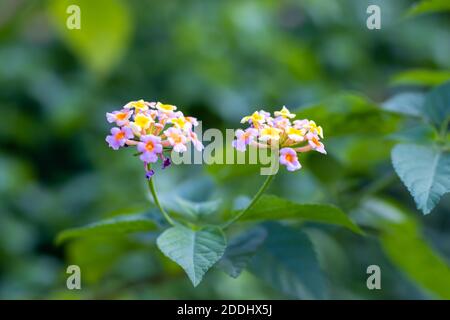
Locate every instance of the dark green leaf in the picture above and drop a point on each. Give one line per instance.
(240, 250)
(425, 171)
(287, 261)
(405, 246)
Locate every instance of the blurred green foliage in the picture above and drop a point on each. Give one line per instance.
(217, 60)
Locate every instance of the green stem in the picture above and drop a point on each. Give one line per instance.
(443, 131)
(258, 194)
(151, 186)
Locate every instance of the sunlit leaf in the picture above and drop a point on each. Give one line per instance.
(104, 34)
(117, 225)
(429, 6)
(420, 77)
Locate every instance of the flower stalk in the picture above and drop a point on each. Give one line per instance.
(255, 198)
(152, 189)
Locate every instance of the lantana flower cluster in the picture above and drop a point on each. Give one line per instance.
(290, 137)
(153, 128)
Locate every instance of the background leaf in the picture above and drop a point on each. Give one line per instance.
(287, 261)
(424, 170)
(105, 30)
(241, 250)
(117, 225)
(408, 103)
(194, 251)
(404, 244)
(429, 6)
(437, 106)
(420, 77)
(270, 207)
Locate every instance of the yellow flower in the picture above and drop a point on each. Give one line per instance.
(285, 113)
(296, 134)
(166, 108)
(142, 121)
(257, 118)
(315, 129)
(139, 105)
(181, 123)
(270, 133)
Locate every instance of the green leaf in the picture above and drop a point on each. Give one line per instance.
(103, 37)
(405, 246)
(425, 171)
(195, 251)
(420, 77)
(429, 6)
(270, 207)
(241, 250)
(408, 103)
(437, 106)
(191, 210)
(287, 261)
(117, 225)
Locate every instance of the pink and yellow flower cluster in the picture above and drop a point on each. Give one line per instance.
(153, 128)
(283, 132)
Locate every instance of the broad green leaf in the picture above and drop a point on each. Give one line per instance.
(408, 103)
(195, 251)
(117, 225)
(270, 207)
(437, 105)
(429, 6)
(405, 246)
(104, 34)
(241, 250)
(420, 77)
(287, 261)
(425, 171)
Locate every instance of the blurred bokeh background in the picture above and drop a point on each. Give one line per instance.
(218, 61)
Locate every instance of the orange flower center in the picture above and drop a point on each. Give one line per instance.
(121, 116)
(149, 146)
(120, 135)
(289, 157)
(315, 141)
